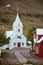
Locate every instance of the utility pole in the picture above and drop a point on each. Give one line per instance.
(0, 52)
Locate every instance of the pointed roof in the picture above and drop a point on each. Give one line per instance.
(17, 21)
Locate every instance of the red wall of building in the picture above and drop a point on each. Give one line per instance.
(39, 49)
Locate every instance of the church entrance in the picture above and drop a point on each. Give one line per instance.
(18, 44)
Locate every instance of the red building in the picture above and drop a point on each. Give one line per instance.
(38, 42)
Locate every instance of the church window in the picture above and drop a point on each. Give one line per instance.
(18, 37)
(18, 30)
(14, 44)
(22, 44)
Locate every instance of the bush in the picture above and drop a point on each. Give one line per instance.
(0, 62)
(3, 40)
(30, 34)
(3, 54)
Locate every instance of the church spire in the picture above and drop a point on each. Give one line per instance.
(17, 21)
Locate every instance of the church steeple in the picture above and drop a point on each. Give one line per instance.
(17, 21)
(17, 18)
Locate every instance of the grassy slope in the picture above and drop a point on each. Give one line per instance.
(24, 6)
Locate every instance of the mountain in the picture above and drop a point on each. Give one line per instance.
(39, 1)
(30, 12)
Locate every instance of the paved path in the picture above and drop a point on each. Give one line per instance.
(20, 57)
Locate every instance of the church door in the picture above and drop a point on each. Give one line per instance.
(18, 44)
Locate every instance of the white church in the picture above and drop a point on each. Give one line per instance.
(17, 39)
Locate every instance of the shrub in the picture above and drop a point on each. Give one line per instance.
(3, 54)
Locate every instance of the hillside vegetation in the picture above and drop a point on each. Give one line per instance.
(30, 12)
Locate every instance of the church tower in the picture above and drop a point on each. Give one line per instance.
(17, 26)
